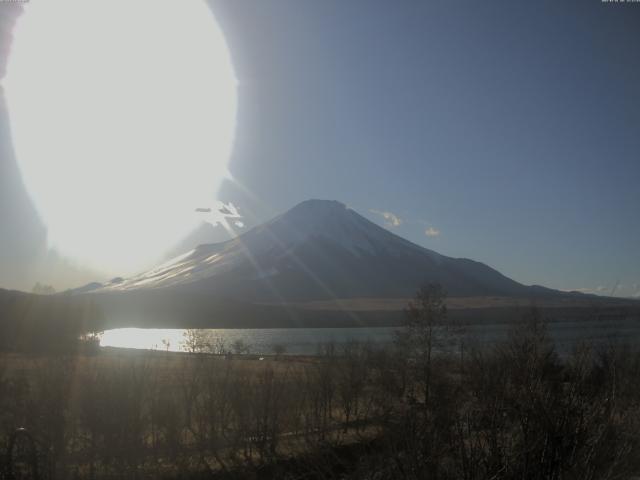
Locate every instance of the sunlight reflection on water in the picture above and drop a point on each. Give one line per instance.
(305, 341)
(301, 341)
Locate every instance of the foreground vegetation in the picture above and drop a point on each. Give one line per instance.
(516, 410)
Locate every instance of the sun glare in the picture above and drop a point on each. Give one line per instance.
(122, 117)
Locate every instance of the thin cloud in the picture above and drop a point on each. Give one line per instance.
(585, 290)
(432, 232)
(390, 219)
(626, 291)
(581, 290)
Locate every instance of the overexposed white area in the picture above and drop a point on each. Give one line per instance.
(144, 338)
(122, 116)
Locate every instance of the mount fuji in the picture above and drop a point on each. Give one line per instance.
(319, 264)
(320, 250)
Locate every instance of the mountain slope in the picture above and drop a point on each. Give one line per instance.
(320, 250)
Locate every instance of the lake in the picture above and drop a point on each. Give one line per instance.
(305, 341)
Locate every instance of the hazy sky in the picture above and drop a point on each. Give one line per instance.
(507, 132)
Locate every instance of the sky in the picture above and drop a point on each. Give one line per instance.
(506, 132)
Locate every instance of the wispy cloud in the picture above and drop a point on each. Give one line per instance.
(390, 219)
(586, 290)
(598, 289)
(393, 220)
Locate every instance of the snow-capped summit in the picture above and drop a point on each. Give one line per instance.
(317, 250)
(335, 222)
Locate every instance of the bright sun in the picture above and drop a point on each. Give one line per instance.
(122, 116)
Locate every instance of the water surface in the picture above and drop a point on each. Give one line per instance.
(305, 341)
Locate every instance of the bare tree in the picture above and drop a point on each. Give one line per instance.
(279, 350)
(240, 347)
(419, 336)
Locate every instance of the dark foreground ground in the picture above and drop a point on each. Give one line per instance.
(515, 410)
